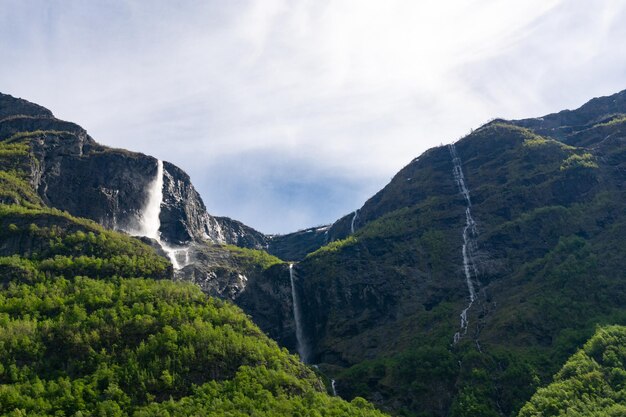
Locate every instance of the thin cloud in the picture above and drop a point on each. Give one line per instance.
(318, 98)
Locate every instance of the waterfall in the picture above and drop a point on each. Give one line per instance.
(179, 256)
(333, 385)
(297, 318)
(354, 217)
(150, 222)
(470, 232)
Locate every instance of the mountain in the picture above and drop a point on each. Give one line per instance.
(91, 322)
(69, 171)
(459, 289)
(72, 172)
(62, 167)
(78, 339)
(295, 246)
(467, 281)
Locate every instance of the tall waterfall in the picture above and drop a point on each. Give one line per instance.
(333, 385)
(354, 217)
(150, 222)
(470, 233)
(297, 318)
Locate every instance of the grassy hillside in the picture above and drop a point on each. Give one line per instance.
(115, 347)
(591, 383)
(381, 307)
(91, 326)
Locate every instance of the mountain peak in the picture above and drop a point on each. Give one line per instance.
(559, 125)
(14, 107)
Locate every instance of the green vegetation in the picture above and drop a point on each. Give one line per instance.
(15, 187)
(142, 347)
(591, 383)
(536, 141)
(586, 160)
(616, 120)
(550, 255)
(20, 136)
(250, 258)
(120, 347)
(53, 243)
(334, 246)
(89, 327)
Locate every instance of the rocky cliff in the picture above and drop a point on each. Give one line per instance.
(64, 168)
(454, 291)
(71, 172)
(384, 299)
(295, 246)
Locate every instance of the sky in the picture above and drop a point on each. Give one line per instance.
(290, 114)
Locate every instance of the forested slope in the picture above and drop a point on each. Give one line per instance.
(92, 325)
(591, 383)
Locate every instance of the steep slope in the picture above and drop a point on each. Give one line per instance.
(295, 246)
(91, 324)
(566, 124)
(71, 172)
(382, 304)
(456, 290)
(590, 124)
(591, 383)
(73, 345)
(61, 166)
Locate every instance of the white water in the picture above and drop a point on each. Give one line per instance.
(179, 256)
(470, 232)
(150, 222)
(333, 385)
(297, 318)
(327, 235)
(354, 217)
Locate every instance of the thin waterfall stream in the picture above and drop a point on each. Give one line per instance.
(354, 218)
(297, 318)
(470, 233)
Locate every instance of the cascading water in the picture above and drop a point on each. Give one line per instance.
(470, 232)
(354, 218)
(174, 254)
(150, 222)
(297, 318)
(333, 385)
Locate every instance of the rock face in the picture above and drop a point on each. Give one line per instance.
(384, 298)
(72, 172)
(295, 246)
(564, 124)
(275, 318)
(108, 186)
(183, 215)
(236, 233)
(381, 290)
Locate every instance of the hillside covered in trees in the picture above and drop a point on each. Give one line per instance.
(92, 325)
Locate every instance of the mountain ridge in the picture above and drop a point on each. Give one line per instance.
(384, 290)
(91, 323)
(374, 297)
(182, 223)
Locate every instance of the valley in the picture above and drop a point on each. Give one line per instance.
(460, 289)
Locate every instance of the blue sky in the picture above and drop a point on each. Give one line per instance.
(289, 114)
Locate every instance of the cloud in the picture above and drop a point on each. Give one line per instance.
(289, 114)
